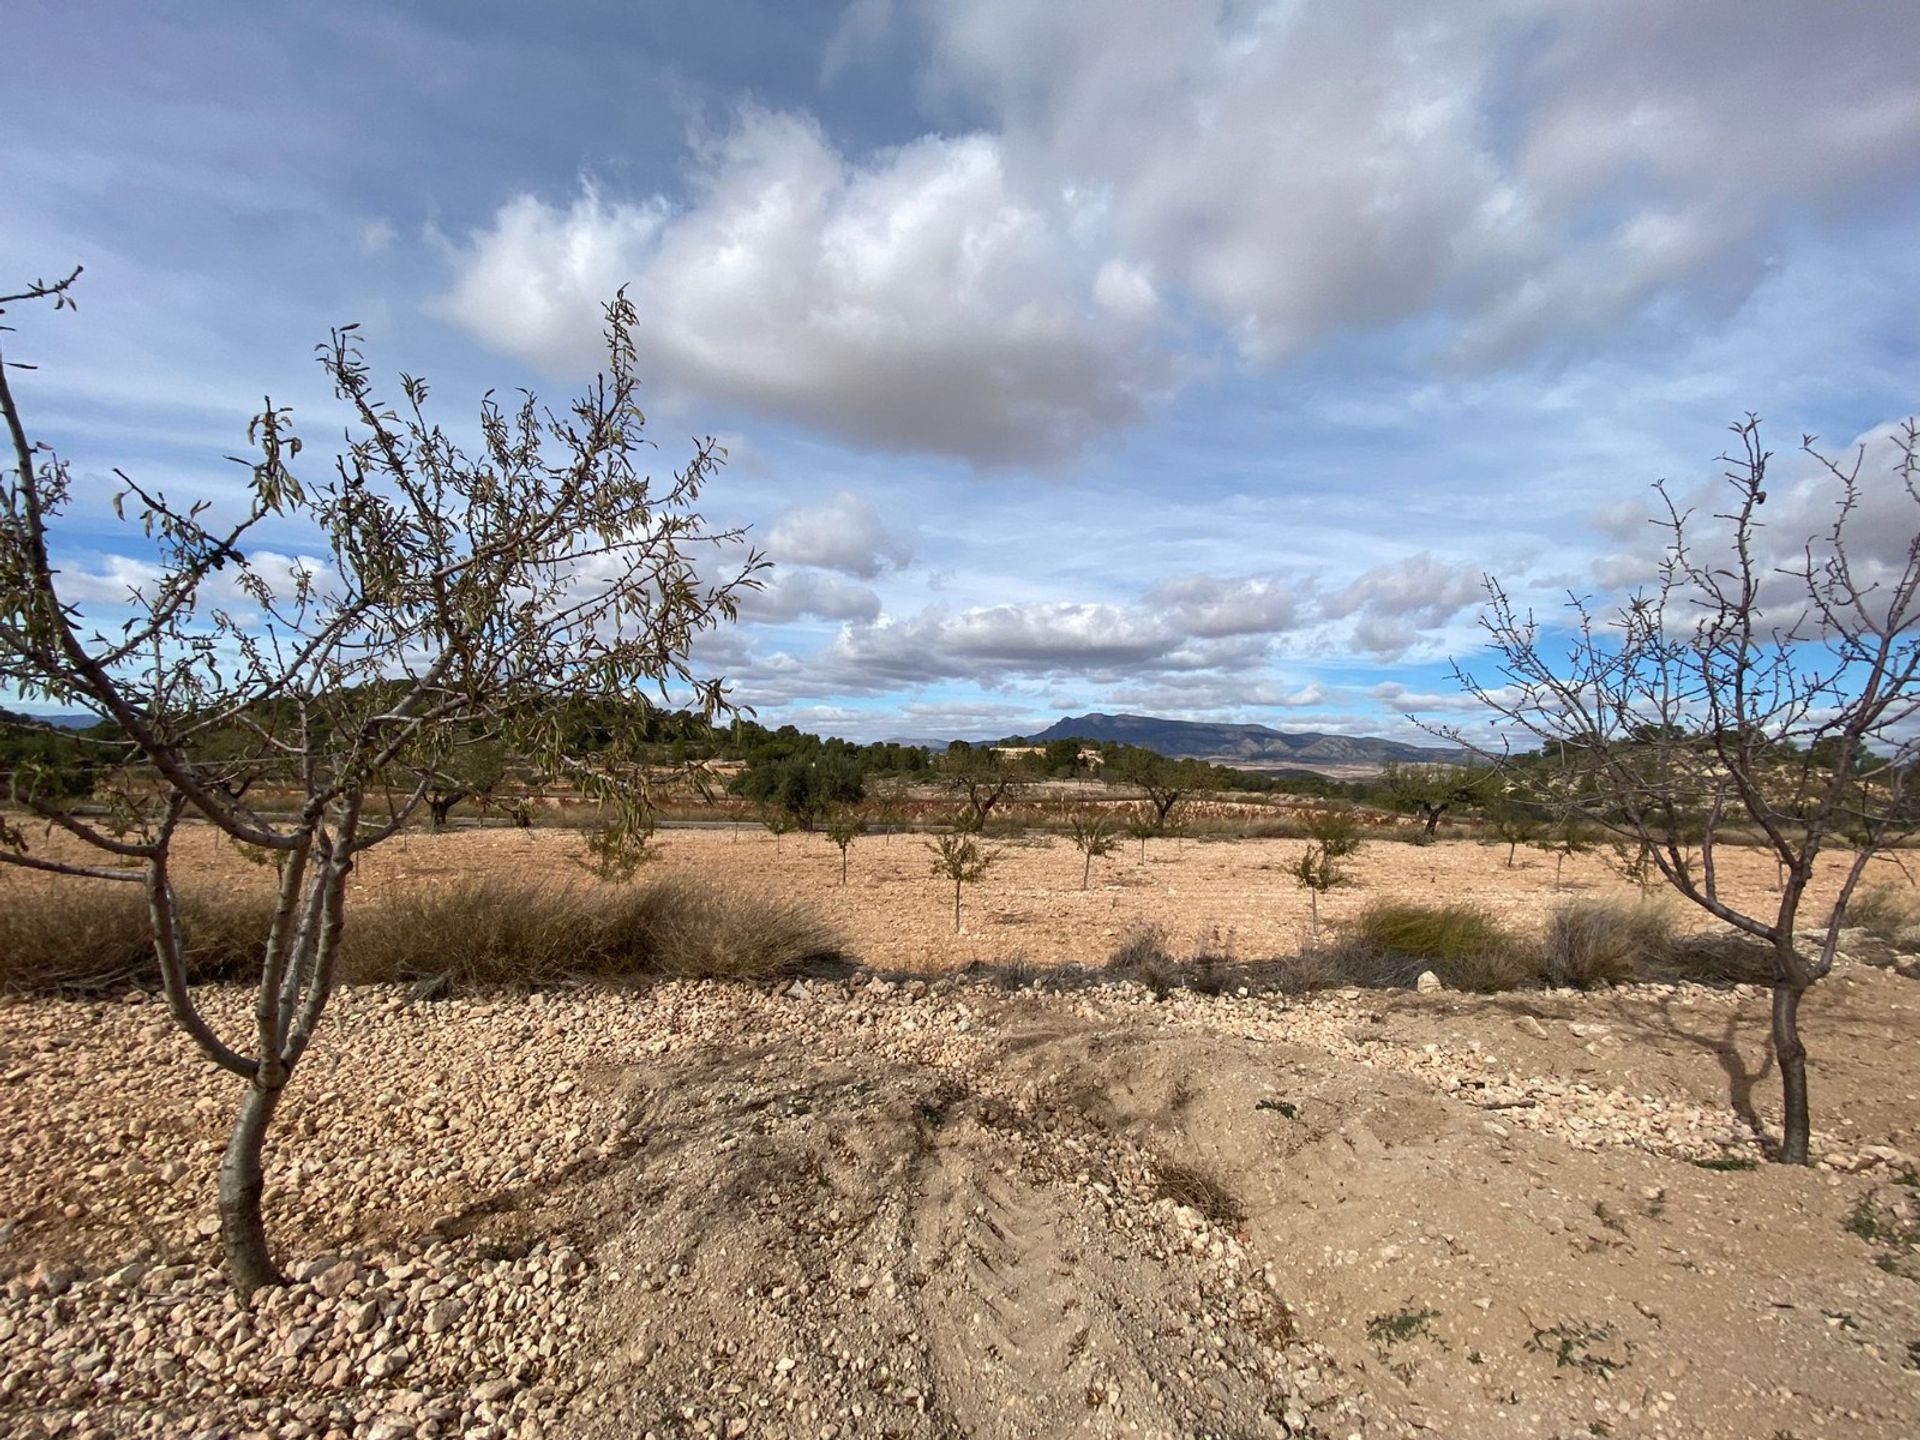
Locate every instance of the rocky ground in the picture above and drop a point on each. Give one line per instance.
(863, 1207)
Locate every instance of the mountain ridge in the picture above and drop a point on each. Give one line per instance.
(1245, 745)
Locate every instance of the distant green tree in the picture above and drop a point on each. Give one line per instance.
(806, 784)
(1514, 822)
(1063, 757)
(1431, 790)
(980, 779)
(1167, 781)
(42, 763)
(470, 769)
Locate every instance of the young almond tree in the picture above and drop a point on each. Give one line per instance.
(1317, 871)
(961, 859)
(1773, 686)
(1092, 835)
(843, 829)
(450, 595)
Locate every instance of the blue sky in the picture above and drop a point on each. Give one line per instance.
(1193, 359)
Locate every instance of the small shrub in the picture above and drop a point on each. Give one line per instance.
(1142, 955)
(1883, 911)
(1092, 835)
(961, 859)
(1606, 942)
(1335, 829)
(1463, 944)
(1715, 959)
(843, 830)
(1317, 871)
(1143, 944)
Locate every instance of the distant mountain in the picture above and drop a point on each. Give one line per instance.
(1247, 746)
(75, 721)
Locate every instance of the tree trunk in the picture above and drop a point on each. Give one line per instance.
(843, 867)
(1433, 820)
(243, 1231)
(1512, 845)
(1558, 861)
(1313, 903)
(1792, 1056)
(1086, 872)
(956, 907)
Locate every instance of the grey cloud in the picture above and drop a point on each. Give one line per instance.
(842, 533)
(1802, 506)
(794, 594)
(1421, 587)
(916, 302)
(1534, 170)
(1427, 702)
(1205, 606)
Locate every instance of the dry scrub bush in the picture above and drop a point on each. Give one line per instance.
(1885, 911)
(473, 933)
(1198, 1190)
(1463, 944)
(90, 938)
(1612, 942)
(1604, 942)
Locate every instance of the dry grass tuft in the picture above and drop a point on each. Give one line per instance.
(93, 938)
(86, 937)
(1607, 942)
(1463, 944)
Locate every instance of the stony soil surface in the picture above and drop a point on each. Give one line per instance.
(864, 1208)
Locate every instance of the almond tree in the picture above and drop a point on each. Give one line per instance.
(843, 829)
(453, 594)
(960, 858)
(1167, 780)
(1746, 686)
(1092, 835)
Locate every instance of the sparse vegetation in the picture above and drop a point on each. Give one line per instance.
(1463, 944)
(1885, 911)
(473, 933)
(1399, 1326)
(1572, 1344)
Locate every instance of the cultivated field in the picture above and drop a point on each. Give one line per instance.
(929, 1205)
(1234, 895)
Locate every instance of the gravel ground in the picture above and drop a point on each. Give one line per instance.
(863, 1207)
